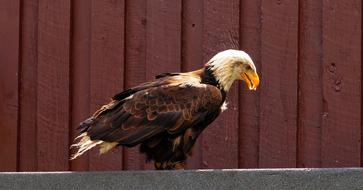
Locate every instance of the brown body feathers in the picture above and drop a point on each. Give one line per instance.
(164, 116)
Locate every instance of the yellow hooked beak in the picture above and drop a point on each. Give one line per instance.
(251, 78)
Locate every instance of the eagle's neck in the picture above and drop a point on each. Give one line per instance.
(224, 74)
(208, 77)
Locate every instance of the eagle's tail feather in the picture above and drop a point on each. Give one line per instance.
(85, 143)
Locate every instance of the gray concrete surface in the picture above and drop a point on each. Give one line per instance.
(347, 178)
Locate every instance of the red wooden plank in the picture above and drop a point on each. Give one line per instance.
(163, 38)
(278, 111)
(250, 41)
(192, 35)
(9, 52)
(192, 58)
(163, 45)
(80, 71)
(28, 87)
(53, 85)
(341, 133)
(107, 67)
(310, 84)
(135, 72)
(221, 32)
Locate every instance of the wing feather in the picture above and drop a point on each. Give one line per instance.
(171, 107)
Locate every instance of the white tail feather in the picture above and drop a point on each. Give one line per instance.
(105, 146)
(83, 145)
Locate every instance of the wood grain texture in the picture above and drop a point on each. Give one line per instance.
(192, 30)
(53, 85)
(107, 67)
(192, 58)
(72, 56)
(278, 111)
(9, 106)
(28, 87)
(310, 84)
(80, 73)
(163, 34)
(135, 70)
(163, 38)
(250, 41)
(220, 140)
(341, 133)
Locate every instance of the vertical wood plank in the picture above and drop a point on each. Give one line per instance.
(163, 43)
(9, 107)
(192, 52)
(310, 84)
(135, 68)
(192, 58)
(161, 25)
(341, 133)
(107, 67)
(250, 41)
(278, 111)
(163, 38)
(221, 32)
(80, 73)
(28, 87)
(53, 85)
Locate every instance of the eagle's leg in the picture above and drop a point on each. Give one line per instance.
(159, 165)
(178, 165)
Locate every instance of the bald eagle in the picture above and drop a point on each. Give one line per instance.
(165, 116)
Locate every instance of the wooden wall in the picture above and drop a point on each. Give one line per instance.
(61, 59)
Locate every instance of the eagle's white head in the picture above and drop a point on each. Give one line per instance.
(231, 65)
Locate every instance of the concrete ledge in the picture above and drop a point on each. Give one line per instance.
(347, 178)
